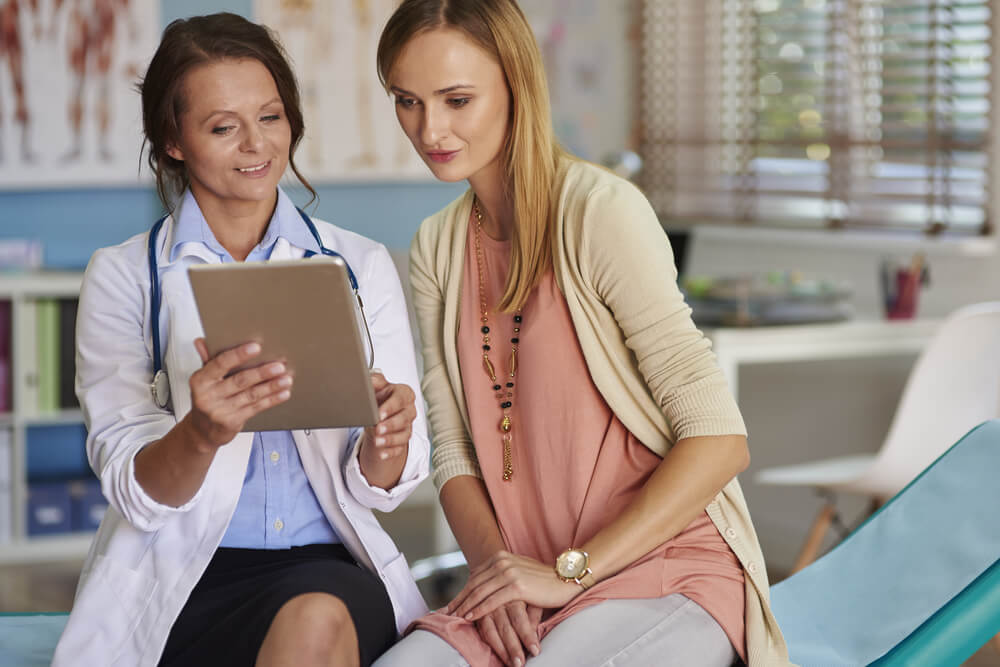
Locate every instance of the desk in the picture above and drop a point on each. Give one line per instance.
(735, 346)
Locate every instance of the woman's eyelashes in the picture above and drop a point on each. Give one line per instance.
(223, 130)
(405, 102)
(410, 102)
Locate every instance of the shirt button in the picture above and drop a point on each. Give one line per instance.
(752, 568)
(275, 456)
(307, 431)
(278, 524)
(730, 532)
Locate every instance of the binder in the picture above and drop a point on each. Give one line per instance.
(67, 354)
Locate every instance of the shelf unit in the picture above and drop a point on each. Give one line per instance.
(22, 289)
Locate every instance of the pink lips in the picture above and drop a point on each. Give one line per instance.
(442, 156)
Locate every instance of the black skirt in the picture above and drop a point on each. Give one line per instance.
(231, 608)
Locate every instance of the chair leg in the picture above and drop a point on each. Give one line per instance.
(815, 539)
(995, 642)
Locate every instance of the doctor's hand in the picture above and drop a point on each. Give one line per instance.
(385, 445)
(220, 405)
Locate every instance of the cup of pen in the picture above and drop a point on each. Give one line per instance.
(901, 283)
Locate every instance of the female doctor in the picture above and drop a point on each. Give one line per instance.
(221, 547)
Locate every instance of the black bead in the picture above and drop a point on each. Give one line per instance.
(485, 330)
(515, 340)
(496, 387)
(509, 384)
(517, 318)
(505, 404)
(486, 347)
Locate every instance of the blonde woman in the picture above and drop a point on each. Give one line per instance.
(586, 442)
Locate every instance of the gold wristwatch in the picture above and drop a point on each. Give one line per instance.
(574, 565)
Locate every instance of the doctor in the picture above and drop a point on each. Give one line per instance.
(221, 547)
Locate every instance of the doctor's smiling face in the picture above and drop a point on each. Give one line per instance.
(453, 103)
(234, 137)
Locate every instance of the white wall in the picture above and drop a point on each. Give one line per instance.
(805, 411)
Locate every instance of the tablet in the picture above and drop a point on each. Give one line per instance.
(302, 311)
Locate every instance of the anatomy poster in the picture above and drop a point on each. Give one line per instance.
(351, 128)
(69, 111)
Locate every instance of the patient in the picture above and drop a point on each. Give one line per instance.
(586, 443)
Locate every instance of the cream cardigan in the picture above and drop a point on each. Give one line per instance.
(656, 371)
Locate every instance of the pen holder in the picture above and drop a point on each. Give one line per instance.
(901, 287)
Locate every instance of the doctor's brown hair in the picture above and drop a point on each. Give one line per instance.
(190, 43)
(531, 154)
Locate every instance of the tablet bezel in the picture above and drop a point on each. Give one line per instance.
(304, 312)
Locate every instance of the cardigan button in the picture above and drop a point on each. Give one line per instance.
(730, 532)
(752, 568)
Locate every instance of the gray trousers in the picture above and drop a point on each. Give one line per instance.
(672, 630)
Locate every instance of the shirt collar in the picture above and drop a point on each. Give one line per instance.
(190, 226)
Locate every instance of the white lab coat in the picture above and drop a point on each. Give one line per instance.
(147, 557)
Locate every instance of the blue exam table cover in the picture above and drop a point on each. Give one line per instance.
(901, 566)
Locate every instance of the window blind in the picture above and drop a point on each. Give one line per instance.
(818, 113)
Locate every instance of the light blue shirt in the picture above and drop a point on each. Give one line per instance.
(278, 508)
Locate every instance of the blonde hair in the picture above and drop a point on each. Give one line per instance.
(531, 153)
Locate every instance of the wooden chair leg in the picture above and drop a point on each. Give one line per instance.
(815, 539)
(995, 642)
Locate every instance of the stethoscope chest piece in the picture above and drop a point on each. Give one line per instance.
(161, 389)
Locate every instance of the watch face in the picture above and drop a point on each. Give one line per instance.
(571, 563)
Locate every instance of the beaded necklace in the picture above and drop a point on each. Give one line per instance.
(504, 393)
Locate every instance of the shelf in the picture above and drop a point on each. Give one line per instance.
(71, 546)
(52, 418)
(40, 284)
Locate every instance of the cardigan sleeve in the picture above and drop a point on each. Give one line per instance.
(453, 453)
(626, 256)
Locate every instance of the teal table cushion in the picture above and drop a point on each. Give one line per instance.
(912, 575)
(29, 640)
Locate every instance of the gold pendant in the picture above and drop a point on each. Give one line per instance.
(508, 464)
(505, 423)
(489, 368)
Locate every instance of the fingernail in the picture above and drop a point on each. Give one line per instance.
(285, 381)
(517, 662)
(383, 456)
(534, 649)
(468, 616)
(252, 348)
(383, 428)
(379, 441)
(285, 394)
(277, 368)
(383, 415)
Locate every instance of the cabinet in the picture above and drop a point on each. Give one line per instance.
(48, 505)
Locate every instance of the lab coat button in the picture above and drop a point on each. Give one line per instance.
(275, 456)
(307, 431)
(278, 524)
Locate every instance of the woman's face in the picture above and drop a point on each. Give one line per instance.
(453, 103)
(234, 135)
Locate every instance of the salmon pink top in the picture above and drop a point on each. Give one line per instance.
(576, 466)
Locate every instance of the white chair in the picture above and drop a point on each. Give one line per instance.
(954, 385)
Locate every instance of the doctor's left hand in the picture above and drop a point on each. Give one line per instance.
(383, 452)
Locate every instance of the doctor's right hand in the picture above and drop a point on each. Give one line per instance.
(220, 405)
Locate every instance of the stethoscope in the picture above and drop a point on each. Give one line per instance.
(161, 386)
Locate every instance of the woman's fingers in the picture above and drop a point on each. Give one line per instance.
(488, 632)
(219, 366)
(527, 632)
(508, 636)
